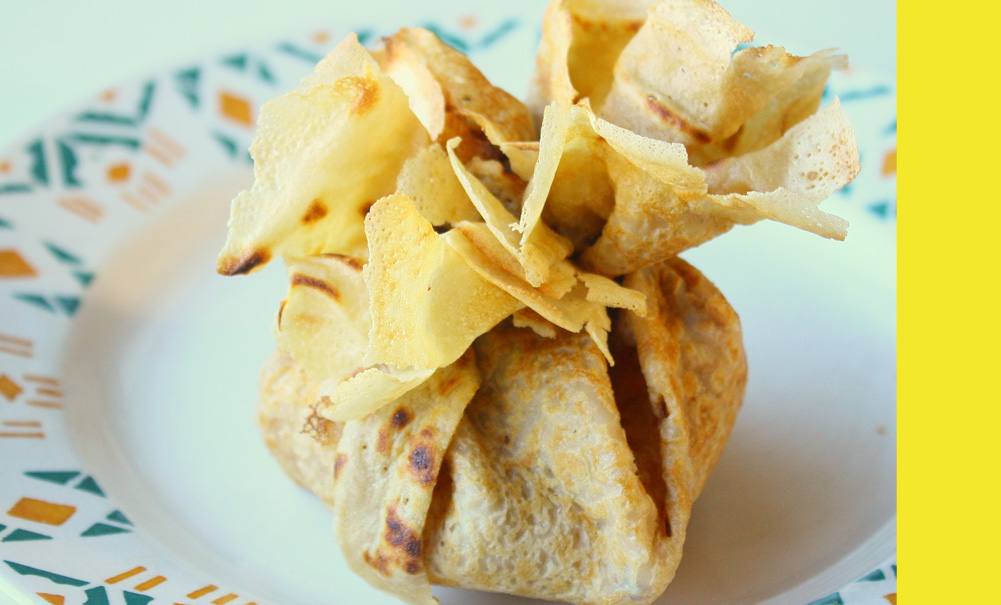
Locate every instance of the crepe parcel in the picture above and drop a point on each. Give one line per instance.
(491, 364)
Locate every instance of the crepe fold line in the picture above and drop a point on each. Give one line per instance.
(551, 477)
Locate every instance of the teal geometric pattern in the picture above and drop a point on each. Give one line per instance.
(66, 304)
(466, 44)
(24, 535)
(25, 570)
(187, 82)
(66, 147)
(118, 517)
(95, 595)
(103, 529)
(89, 485)
(833, 599)
(57, 477)
(246, 62)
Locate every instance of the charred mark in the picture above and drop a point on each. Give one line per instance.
(317, 426)
(315, 212)
(366, 91)
(422, 464)
(668, 116)
(445, 387)
(401, 536)
(339, 463)
(401, 418)
(245, 264)
(354, 263)
(298, 279)
(379, 562)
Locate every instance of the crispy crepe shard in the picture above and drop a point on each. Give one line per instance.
(581, 42)
(450, 96)
(676, 74)
(683, 79)
(575, 302)
(322, 154)
(324, 321)
(785, 182)
(426, 306)
(611, 519)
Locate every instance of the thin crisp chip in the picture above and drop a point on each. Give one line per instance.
(571, 312)
(527, 318)
(606, 292)
(367, 391)
(785, 182)
(429, 181)
(683, 79)
(408, 70)
(427, 304)
(324, 321)
(581, 43)
(322, 154)
(537, 256)
(786, 109)
(466, 91)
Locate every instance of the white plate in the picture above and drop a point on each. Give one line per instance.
(130, 468)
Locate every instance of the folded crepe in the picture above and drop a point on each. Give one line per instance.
(527, 467)
(449, 379)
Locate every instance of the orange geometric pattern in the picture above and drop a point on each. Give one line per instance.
(890, 163)
(22, 429)
(13, 345)
(236, 108)
(12, 265)
(201, 592)
(9, 388)
(125, 575)
(41, 511)
(82, 206)
(163, 148)
(119, 172)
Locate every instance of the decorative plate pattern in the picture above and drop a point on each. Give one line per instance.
(73, 191)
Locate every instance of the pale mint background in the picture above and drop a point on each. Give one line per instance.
(57, 52)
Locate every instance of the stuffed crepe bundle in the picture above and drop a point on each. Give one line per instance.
(448, 378)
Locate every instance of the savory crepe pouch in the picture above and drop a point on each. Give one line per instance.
(533, 471)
